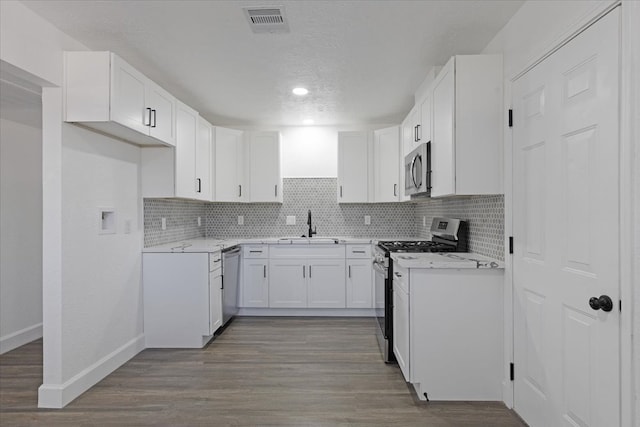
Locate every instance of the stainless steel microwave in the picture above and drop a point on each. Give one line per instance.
(417, 171)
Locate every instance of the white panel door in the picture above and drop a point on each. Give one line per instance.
(265, 171)
(442, 146)
(401, 329)
(387, 161)
(424, 131)
(566, 233)
(163, 114)
(327, 286)
(255, 284)
(204, 145)
(187, 125)
(353, 167)
(227, 176)
(128, 92)
(288, 283)
(215, 301)
(359, 283)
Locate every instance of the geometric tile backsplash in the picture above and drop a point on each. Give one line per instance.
(485, 215)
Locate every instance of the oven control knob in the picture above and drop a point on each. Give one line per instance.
(603, 303)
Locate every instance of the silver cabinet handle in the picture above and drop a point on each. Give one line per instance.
(309, 271)
(303, 272)
(239, 190)
(147, 118)
(397, 274)
(395, 189)
(349, 271)
(265, 271)
(341, 191)
(358, 252)
(154, 118)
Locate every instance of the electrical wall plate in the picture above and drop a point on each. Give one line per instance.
(106, 220)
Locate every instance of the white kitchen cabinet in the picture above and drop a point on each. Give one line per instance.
(265, 167)
(407, 145)
(254, 289)
(326, 283)
(354, 171)
(104, 92)
(182, 300)
(215, 292)
(288, 283)
(401, 321)
(359, 276)
(228, 161)
(460, 310)
(467, 127)
(387, 164)
(184, 171)
(307, 276)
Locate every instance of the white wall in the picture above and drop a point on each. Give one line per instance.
(92, 317)
(102, 291)
(20, 234)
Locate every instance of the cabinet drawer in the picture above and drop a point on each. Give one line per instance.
(307, 251)
(358, 251)
(215, 261)
(255, 251)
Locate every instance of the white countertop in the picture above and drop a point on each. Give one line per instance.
(214, 245)
(445, 260)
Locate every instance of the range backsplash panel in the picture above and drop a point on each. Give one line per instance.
(388, 220)
(484, 214)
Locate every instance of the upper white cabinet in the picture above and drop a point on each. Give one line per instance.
(354, 171)
(184, 171)
(104, 92)
(228, 169)
(265, 174)
(387, 164)
(466, 127)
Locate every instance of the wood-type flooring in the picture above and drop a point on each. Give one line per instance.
(259, 371)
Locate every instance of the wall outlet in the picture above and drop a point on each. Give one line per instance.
(240, 219)
(107, 221)
(199, 222)
(424, 221)
(164, 223)
(367, 220)
(291, 220)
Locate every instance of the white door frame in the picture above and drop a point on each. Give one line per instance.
(629, 207)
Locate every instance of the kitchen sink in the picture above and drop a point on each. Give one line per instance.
(309, 241)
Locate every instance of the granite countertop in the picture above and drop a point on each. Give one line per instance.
(214, 245)
(446, 260)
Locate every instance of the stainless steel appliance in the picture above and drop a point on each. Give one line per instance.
(230, 281)
(448, 235)
(417, 170)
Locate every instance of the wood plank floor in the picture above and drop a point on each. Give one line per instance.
(260, 371)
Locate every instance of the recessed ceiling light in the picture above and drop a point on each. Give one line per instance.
(300, 91)
(308, 121)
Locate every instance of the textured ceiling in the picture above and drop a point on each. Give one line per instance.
(361, 60)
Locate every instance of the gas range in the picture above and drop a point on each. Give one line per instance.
(416, 246)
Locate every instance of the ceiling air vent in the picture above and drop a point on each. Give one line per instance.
(267, 19)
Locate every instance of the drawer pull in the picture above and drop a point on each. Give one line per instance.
(358, 252)
(255, 252)
(217, 260)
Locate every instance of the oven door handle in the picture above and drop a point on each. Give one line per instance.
(378, 267)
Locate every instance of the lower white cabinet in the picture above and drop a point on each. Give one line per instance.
(255, 285)
(288, 283)
(182, 299)
(359, 283)
(326, 283)
(460, 311)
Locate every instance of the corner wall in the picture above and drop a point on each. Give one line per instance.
(21, 234)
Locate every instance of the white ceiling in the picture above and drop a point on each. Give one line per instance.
(361, 60)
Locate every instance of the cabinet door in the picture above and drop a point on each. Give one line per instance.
(424, 131)
(401, 329)
(163, 114)
(353, 167)
(228, 146)
(288, 283)
(359, 283)
(215, 302)
(326, 287)
(387, 161)
(442, 145)
(187, 125)
(128, 92)
(204, 140)
(255, 284)
(406, 147)
(266, 175)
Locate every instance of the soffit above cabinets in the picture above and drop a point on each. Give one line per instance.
(361, 60)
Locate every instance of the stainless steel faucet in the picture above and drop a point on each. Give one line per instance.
(311, 231)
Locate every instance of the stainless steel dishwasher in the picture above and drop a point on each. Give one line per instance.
(230, 281)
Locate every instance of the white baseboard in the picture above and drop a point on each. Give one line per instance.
(59, 395)
(20, 338)
(308, 312)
